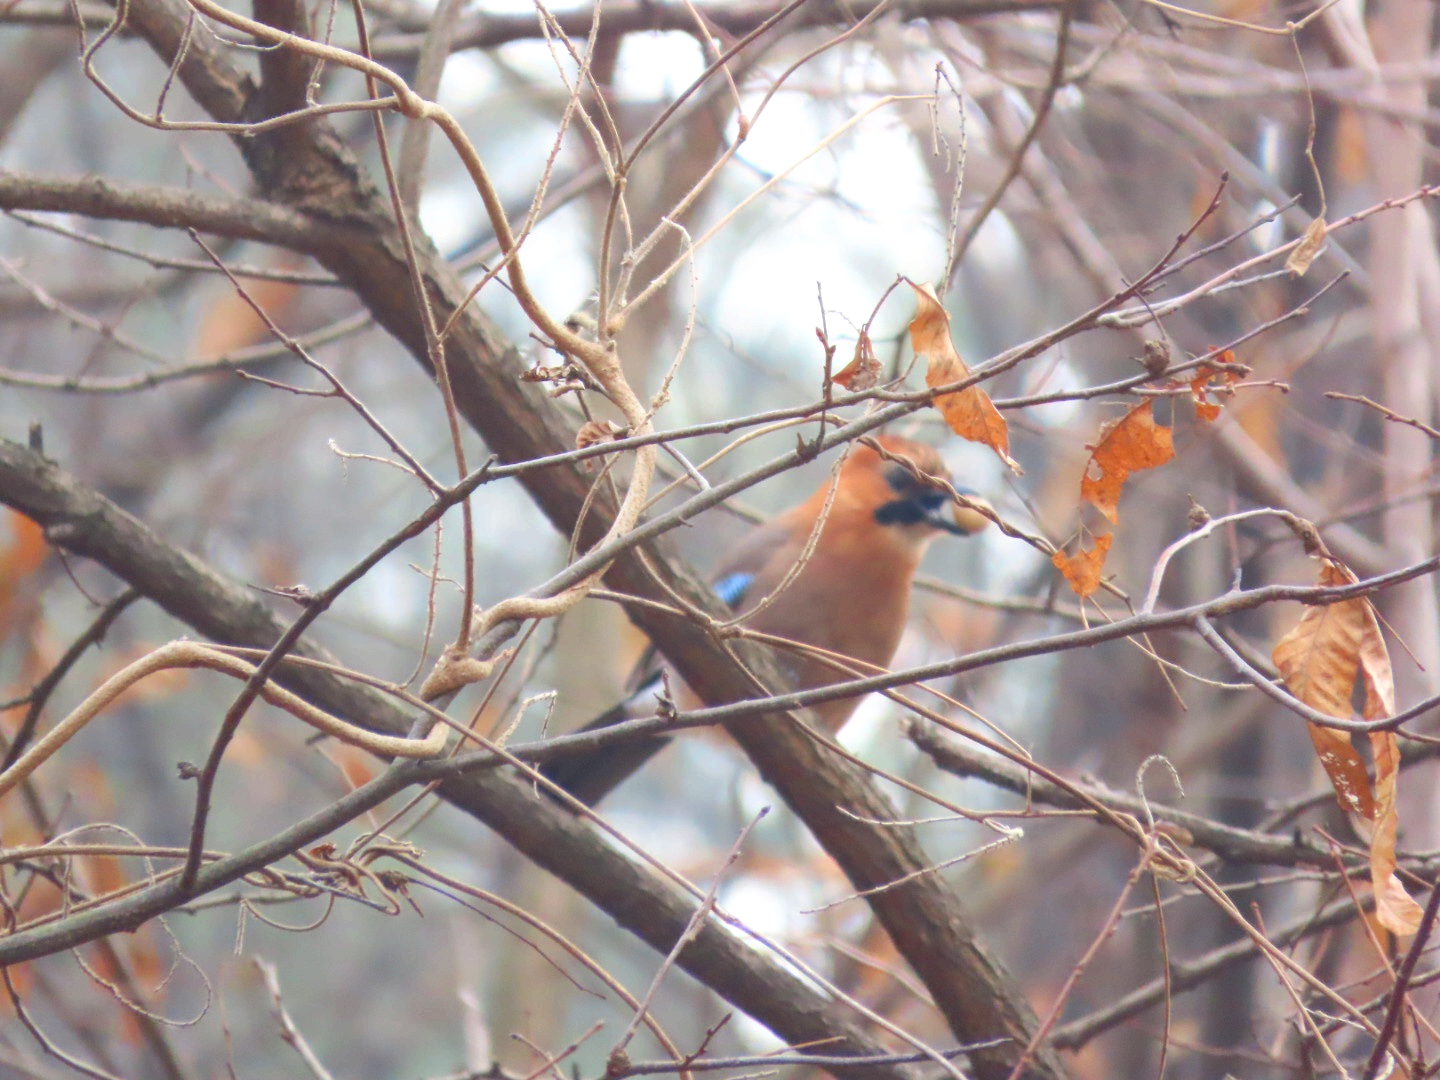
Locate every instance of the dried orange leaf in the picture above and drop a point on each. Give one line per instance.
(1200, 386)
(863, 372)
(1132, 443)
(1309, 246)
(1394, 907)
(594, 432)
(1320, 659)
(1205, 410)
(1346, 770)
(1082, 570)
(1374, 664)
(969, 412)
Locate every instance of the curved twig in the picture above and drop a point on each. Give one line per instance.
(189, 654)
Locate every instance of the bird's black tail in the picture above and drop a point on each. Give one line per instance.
(590, 775)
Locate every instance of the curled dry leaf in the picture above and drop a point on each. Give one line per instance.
(1132, 443)
(863, 372)
(969, 412)
(1205, 410)
(1203, 384)
(1309, 247)
(1320, 659)
(1082, 570)
(1127, 445)
(595, 432)
(1394, 907)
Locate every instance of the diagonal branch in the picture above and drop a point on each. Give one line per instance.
(924, 918)
(83, 522)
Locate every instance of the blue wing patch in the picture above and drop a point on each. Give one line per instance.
(731, 588)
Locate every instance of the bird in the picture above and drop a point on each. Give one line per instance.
(849, 597)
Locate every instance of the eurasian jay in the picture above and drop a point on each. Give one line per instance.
(850, 597)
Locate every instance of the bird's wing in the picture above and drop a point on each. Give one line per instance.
(752, 559)
(763, 555)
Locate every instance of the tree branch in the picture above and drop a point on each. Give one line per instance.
(924, 918)
(82, 521)
(166, 207)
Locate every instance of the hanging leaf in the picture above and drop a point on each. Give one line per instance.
(1132, 443)
(863, 372)
(1394, 907)
(595, 432)
(1309, 247)
(1082, 570)
(969, 412)
(1204, 384)
(1320, 659)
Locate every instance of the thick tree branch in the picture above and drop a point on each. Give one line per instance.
(81, 521)
(924, 918)
(166, 207)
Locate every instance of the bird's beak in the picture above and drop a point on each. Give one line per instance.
(967, 517)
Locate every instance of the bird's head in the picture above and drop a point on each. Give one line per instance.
(903, 488)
